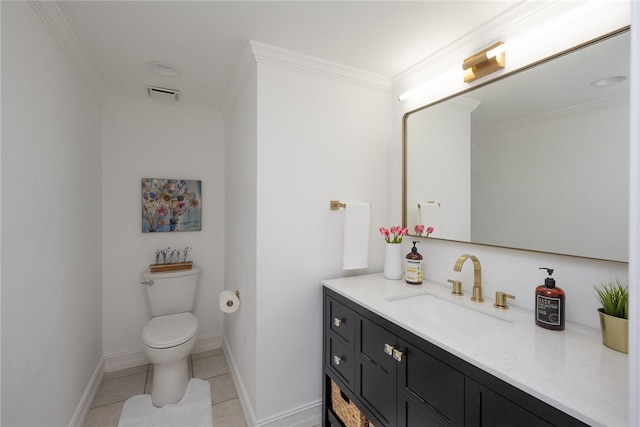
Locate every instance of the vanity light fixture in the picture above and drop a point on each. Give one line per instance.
(559, 22)
(484, 62)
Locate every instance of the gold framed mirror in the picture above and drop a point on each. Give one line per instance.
(536, 159)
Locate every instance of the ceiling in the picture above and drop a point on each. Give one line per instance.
(206, 39)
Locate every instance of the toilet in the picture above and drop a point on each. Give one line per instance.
(170, 335)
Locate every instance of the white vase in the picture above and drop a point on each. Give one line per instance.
(393, 261)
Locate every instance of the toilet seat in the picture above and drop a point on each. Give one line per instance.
(170, 330)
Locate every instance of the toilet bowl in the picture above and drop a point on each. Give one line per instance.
(170, 335)
(168, 341)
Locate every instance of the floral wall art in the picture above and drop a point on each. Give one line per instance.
(171, 205)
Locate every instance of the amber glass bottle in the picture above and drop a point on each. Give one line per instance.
(413, 267)
(550, 304)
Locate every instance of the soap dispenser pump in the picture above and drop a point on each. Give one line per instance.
(550, 304)
(413, 266)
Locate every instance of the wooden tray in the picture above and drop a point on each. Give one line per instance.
(163, 268)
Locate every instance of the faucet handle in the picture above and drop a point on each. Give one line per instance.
(501, 300)
(457, 287)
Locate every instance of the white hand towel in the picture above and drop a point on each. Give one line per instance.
(356, 236)
(429, 216)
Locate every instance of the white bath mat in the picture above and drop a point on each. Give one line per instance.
(194, 410)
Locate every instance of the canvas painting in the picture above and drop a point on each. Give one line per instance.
(171, 205)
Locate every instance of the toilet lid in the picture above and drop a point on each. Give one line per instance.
(170, 330)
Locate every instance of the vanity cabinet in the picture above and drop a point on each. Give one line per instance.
(487, 408)
(400, 380)
(403, 385)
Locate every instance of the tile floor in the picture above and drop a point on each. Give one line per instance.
(211, 366)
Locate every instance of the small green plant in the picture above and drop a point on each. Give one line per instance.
(614, 298)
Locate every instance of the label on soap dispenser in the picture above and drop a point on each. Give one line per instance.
(413, 271)
(548, 310)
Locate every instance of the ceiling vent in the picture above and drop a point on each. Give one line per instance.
(163, 93)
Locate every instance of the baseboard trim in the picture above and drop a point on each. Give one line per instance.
(82, 410)
(117, 361)
(208, 342)
(304, 416)
(243, 397)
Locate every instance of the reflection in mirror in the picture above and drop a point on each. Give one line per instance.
(535, 160)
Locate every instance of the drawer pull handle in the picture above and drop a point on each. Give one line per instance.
(337, 360)
(337, 322)
(397, 355)
(388, 349)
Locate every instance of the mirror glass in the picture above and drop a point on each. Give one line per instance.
(535, 160)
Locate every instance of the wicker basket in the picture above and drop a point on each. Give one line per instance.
(348, 413)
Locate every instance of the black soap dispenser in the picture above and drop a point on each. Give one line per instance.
(413, 266)
(550, 304)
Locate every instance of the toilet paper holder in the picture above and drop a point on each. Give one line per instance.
(230, 303)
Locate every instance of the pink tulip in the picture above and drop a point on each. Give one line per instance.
(429, 231)
(419, 229)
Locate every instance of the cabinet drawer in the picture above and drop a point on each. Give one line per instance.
(340, 359)
(341, 321)
(430, 387)
(377, 344)
(376, 370)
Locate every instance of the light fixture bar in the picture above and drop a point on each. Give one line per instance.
(558, 22)
(484, 62)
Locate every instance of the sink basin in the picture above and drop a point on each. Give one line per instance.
(452, 313)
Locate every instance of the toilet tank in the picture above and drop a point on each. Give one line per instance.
(172, 292)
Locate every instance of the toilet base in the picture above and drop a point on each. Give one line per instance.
(170, 372)
(170, 381)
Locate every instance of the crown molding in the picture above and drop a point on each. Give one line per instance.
(245, 67)
(277, 57)
(561, 113)
(260, 53)
(56, 23)
(506, 26)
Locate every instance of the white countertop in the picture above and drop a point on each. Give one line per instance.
(571, 370)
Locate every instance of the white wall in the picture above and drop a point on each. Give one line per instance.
(590, 147)
(441, 172)
(240, 237)
(154, 140)
(513, 271)
(317, 139)
(51, 226)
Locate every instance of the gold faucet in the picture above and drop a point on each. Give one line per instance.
(477, 275)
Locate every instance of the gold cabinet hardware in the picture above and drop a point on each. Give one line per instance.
(501, 300)
(334, 205)
(397, 354)
(457, 287)
(388, 349)
(337, 360)
(337, 322)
